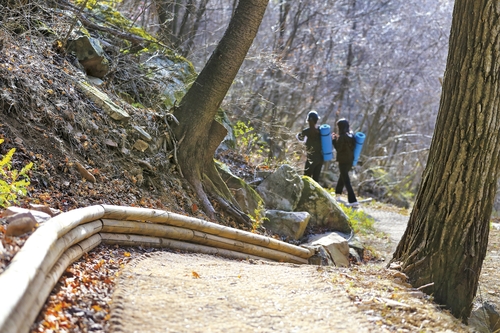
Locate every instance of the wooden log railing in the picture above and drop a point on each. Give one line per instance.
(36, 268)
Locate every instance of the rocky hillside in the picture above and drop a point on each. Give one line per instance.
(103, 138)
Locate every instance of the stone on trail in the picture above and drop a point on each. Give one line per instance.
(140, 145)
(85, 173)
(334, 244)
(324, 210)
(357, 247)
(282, 190)
(354, 254)
(144, 135)
(45, 209)
(287, 224)
(321, 257)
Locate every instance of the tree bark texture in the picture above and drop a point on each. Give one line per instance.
(199, 106)
(447, 235)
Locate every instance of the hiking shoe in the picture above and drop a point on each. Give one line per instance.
(353, 204)
(338, 198)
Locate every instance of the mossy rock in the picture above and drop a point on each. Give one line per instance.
(249, 200)
(172, 75)
(114, 18)
(282, 189)
(324, 210)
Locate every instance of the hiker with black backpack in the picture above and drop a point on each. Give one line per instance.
(312, 138)
(344, 144)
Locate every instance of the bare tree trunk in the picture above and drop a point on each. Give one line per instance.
(199, 106)
(194, 29)
(447, 236)
(175, 15)
(284, 10)
(164, 8)
(345, 83)
(183, 28)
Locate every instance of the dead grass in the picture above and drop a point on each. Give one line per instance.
(387, 300)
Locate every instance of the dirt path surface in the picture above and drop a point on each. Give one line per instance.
(390, 223)
(170, 292)
(174, 292)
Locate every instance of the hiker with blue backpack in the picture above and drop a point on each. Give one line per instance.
(344, 143)
(312, 138)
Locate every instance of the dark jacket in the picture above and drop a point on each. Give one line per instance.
(313, 144)
(345, 143)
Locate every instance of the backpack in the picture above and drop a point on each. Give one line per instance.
(345, 148)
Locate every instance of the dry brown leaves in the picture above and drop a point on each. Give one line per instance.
(9, 246)
(80, 301)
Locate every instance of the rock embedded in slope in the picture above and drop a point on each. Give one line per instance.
(90, 54)
(20, 224)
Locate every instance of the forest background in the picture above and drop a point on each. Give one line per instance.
(369, 62)
(377, 63)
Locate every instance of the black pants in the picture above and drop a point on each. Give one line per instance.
(345, 181)
(313, 169)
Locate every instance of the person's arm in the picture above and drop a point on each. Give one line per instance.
(301, 136)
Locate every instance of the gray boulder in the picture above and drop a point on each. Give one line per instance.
(335, 245)
(324, 210)
(282, 190)
(354, 254)
(39, 216)
(357, 249)
(170, 74)
(287, 224)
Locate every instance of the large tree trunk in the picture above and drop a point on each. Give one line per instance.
(197, 133)
(445, 243)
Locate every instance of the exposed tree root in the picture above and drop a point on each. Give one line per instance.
(225, 199)
(206, 181)
(202, 196)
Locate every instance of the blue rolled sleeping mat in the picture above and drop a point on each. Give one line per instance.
(326, 142)
(360, 139)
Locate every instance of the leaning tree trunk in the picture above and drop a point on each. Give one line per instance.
(198, 133)
(447, 235)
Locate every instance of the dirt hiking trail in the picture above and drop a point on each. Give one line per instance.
(175, 292)
(170, 292)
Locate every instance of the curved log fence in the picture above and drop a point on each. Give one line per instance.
(36, 268)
